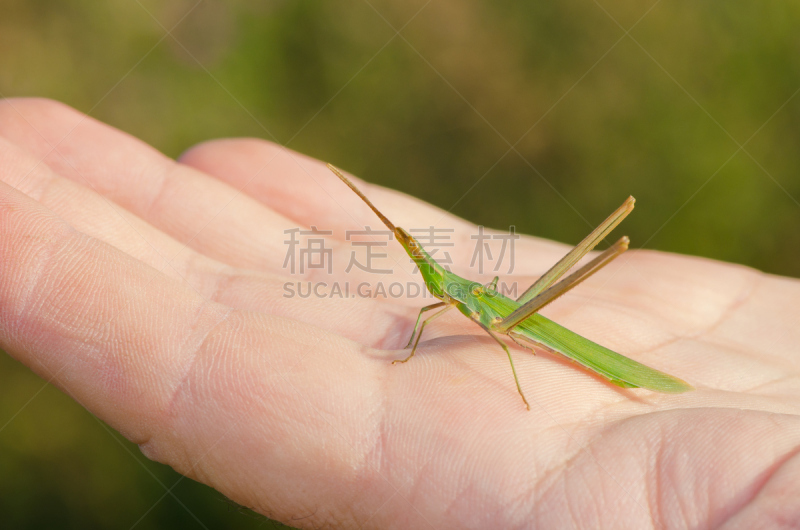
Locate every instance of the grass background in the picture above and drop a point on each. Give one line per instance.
(538, 114)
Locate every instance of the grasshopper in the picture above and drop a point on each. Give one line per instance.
(519, 319)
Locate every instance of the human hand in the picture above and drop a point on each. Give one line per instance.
(152, 292)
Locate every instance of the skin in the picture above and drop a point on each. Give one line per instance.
(151, 292)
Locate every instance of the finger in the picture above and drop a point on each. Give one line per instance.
(369, 321)
(240, 161)
(202, 212)
(235, 399)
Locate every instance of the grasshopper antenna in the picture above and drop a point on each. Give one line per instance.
(352, 186)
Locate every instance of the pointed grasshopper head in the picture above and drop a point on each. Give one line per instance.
(431, 271)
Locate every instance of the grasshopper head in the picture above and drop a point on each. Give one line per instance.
(412, 246)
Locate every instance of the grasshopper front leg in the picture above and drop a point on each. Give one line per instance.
(422, 327)
(424, 309)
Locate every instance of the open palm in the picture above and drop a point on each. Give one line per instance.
(153, 293)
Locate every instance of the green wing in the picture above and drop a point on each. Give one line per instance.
(617, 368)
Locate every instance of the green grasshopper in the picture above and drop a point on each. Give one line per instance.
(518, 319)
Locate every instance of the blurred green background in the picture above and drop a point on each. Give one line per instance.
(538, 114)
